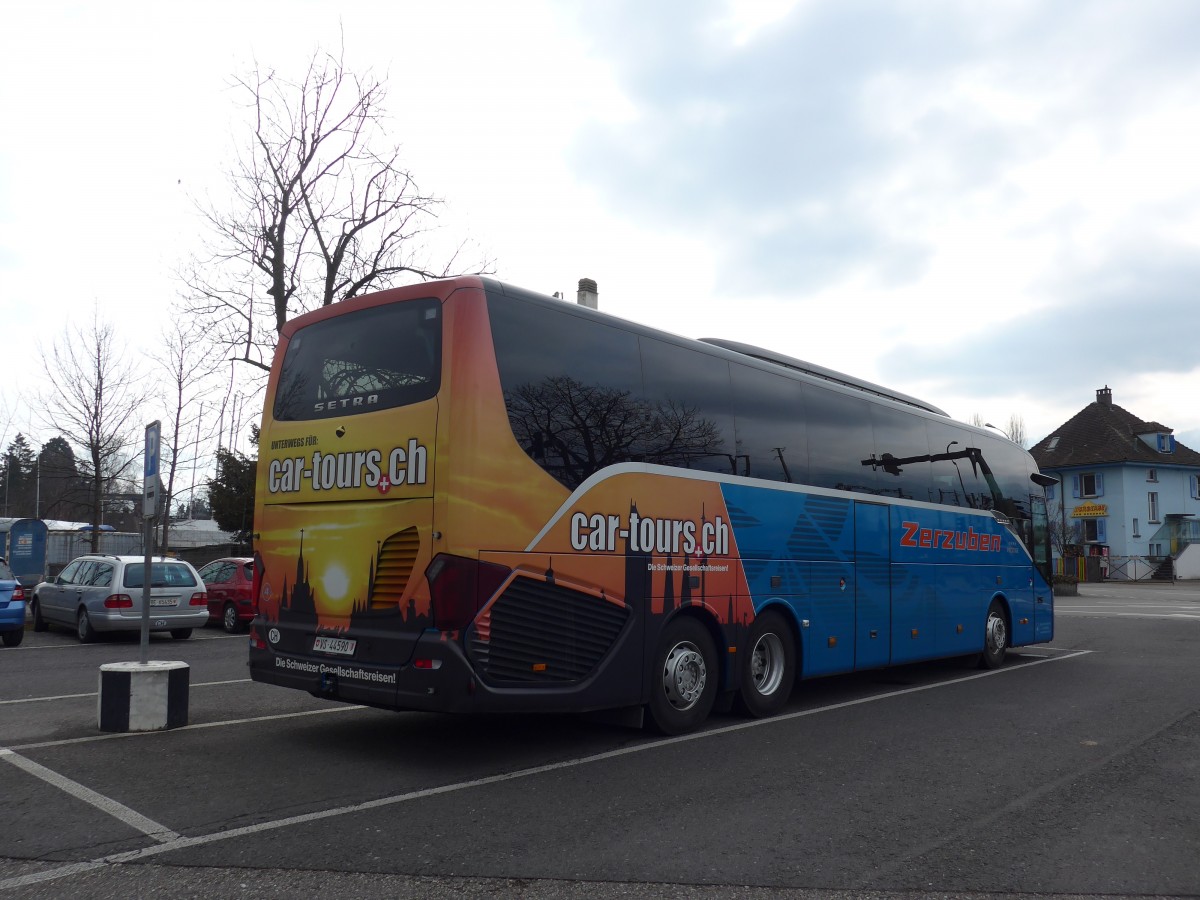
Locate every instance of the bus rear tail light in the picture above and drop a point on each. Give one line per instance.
(118, 601)
(458, 588)
(199, 599)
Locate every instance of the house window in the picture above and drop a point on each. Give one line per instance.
(1090, 484)
(1156, 550)
(1196, 487)
(1152, 503)
(1094, 531)
(1152, 475)
(1050, 491)
(1137, 531)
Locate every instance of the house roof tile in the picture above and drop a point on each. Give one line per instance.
(1104, 433)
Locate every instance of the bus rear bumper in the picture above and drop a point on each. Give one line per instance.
(437, 677)
(435, 673)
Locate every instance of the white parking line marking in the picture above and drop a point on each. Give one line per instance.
(183, 843)
(93, 693)
(1107, 614)
(118, 735)
(133, 819)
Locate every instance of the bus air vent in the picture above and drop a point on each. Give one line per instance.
(393, 567)
(543, 633)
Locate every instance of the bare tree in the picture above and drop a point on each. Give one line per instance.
(189, 369)
(1016, 429)
(321, 210)
(93, 401)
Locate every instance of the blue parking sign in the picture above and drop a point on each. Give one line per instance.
(150, 482)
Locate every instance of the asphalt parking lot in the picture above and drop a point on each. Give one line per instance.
(895, 781)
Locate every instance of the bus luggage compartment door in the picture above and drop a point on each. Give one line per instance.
(873, 593)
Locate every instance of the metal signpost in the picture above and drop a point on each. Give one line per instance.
(149, 505)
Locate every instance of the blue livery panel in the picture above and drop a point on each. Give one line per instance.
(873, 583)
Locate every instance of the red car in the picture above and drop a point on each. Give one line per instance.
(228, 583)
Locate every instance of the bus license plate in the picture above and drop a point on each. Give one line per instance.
(340, 646)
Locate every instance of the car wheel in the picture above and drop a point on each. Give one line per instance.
(181, 634)
(768, 670)
(995, 637)
(12, 638)
(683, 677)
(229, 619)
(39, 624)
(83, 628)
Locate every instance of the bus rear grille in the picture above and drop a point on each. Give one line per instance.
(393, 567)
(543, 633)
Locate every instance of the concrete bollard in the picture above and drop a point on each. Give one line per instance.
(148, 696)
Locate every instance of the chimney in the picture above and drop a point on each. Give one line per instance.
(588, 295)
(1103, 395)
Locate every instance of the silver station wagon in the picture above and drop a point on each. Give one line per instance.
(104, 593)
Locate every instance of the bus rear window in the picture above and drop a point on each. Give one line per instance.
(363, 361)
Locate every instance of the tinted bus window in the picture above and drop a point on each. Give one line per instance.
(902, 451)
(956, 478)
(1010, 466)
(690, 408)
(840, 438)
(770, 424)
(368, 360)
(572, 386)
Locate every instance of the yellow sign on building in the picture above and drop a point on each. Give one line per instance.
(1089, 511)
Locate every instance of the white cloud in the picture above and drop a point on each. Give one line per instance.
(996, 208)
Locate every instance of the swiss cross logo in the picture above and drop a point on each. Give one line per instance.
(385, 485)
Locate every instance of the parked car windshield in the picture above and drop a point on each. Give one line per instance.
(162, 574)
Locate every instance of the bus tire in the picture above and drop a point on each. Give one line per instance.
(683, 677)
(768, 667)
(995, 637)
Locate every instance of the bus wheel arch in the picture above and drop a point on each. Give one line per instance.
(997, 633)
(685, 675)
(768, 664)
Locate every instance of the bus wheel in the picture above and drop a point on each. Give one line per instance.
(768, 670)
(683, 680)
(995, 637)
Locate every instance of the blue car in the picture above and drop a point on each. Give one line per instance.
(12, 607)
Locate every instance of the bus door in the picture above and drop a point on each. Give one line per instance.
(873, 593)
(1043, 608)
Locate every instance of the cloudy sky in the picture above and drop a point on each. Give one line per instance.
(992, 206)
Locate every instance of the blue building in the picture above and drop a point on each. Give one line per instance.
(1129, 493)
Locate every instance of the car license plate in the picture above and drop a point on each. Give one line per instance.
(163, 601)
(340, 646)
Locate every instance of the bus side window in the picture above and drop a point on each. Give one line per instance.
(901, 453)
(771, 435)
(570, 403)
(839, 439)
(690, 405)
